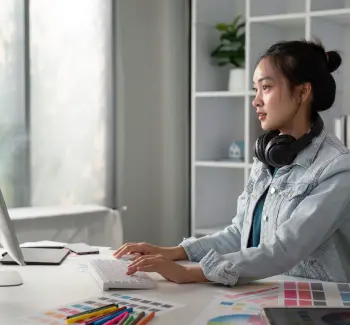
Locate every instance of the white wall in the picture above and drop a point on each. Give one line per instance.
(153, 110)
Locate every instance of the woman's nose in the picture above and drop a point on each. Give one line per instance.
(257, 102)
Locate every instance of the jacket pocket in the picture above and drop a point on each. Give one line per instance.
(292, 191)
(290, 195)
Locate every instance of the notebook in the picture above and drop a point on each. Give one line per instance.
(39, 256)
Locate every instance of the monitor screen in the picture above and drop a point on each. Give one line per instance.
(8, 237)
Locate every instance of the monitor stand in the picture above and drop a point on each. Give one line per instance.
(9, 278)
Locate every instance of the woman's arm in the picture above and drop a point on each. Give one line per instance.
(223, 242)
(314, 220)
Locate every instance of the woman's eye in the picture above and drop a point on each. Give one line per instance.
(254, 89)
(265, 87)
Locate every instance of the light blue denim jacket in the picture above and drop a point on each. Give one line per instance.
(305, 228)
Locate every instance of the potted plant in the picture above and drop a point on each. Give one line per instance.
(231, 51)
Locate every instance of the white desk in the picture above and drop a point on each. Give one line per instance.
(47, 287)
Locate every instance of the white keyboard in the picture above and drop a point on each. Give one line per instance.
(111, 274)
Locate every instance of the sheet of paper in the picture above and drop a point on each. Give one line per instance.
(43, 243)
(224, 311)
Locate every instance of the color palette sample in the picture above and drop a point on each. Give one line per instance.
(138, 303)
(315, 294)
(241, 306)
(245, 295)
(236, 320)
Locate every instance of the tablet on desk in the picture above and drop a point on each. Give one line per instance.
(39, 256)
(306, 315)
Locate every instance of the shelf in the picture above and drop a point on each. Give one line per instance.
(220, 164)
(276, 7)
(219, 122)
(338, 16)
(265, 31)
(216, 193)
(328, 6)
(209, 230)
(284, 20)
(208, 13)
(219, 94)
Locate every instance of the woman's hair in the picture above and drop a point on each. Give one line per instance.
(305, 61)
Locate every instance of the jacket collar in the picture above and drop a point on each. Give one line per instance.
(307, 156)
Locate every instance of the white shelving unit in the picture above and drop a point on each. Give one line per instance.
(219, 117)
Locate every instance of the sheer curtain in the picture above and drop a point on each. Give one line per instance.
(71, 74)
(13, 136)
(56, 131)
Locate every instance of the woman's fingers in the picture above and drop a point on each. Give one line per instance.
(141, 262)
(130, 248)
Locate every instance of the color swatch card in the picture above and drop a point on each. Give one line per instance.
(225, 312)
(256, 291)
(240, 305)
(315, 294)
(138, 303)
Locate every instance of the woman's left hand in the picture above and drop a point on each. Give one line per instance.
(167, 268)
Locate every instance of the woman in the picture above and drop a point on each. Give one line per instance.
(293, 216)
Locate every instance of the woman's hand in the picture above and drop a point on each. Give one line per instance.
(167, 268)
(172, 253)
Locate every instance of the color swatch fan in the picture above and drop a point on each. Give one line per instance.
(315, 294)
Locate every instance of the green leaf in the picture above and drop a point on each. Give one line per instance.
(223, 54)
(222, 27)
(231, 48)
(218, 49)
(234, 23)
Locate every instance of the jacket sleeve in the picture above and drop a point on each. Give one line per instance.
(226, 241)
(313, 221)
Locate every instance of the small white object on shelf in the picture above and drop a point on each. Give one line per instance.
(236, 151)
(237, 80)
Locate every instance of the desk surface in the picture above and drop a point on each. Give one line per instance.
(47, 287)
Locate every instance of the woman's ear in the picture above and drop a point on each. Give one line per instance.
(305, 92)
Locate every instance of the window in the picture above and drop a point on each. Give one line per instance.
(56, 101)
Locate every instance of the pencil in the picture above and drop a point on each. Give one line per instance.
(147, 319)
(92, 310)
(114, 312)
(129, 320)
(138, 318)
(123, 320)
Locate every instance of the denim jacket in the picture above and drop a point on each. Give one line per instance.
(305, 230)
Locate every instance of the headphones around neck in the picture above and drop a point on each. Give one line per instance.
(279, 150)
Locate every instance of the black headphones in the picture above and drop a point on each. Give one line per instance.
(280, 150)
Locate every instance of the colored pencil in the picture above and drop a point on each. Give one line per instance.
(138, 318)
(147, 319)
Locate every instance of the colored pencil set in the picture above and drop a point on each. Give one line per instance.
(110, 315)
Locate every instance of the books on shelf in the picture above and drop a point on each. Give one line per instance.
(342, 129)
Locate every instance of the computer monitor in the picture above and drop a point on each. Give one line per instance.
(9, 241)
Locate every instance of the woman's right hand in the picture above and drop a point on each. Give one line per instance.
(173, 253)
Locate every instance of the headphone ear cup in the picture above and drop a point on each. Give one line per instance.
(261, 143)
(278, 151)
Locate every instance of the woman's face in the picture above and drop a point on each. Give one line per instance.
(273, 101)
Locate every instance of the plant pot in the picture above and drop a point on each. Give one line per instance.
(236, 81)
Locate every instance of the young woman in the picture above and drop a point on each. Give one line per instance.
(293, 216)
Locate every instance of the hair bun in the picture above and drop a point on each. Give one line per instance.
(333, 60)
